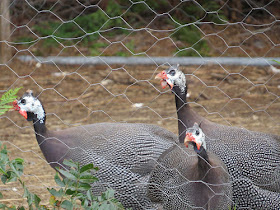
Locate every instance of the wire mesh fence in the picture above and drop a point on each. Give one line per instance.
(81, 93)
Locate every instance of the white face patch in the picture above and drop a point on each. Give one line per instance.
(178, 78)
(200, 138)
(29, 103)
(198, 135)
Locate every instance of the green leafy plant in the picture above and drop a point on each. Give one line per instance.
(75, 191)
(11, 171)
(7, 98)
(75, 186)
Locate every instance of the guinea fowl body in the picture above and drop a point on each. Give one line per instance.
(125, 153)
(252, 158)
(119, 140)
(185, 179)
(257, 154)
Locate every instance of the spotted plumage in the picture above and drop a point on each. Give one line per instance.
(125, 153)
(191, 178)
(252, 158)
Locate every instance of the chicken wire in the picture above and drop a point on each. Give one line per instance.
(80, 94)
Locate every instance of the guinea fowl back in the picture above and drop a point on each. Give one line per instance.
(248, 148)
(142, 143)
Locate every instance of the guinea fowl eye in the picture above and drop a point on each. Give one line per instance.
(23, 101)
(172, 72)
(197, 133)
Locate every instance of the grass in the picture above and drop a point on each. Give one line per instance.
(95, 48)
(83, 29)
(86, 29)
(192, 36)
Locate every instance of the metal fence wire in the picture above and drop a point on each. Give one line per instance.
(95, 61)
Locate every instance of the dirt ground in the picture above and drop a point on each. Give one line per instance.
(234, 95)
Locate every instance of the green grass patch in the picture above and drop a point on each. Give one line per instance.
(86, 29)
(130, 45)
(96, 48)
(192, 36)
(123, 54)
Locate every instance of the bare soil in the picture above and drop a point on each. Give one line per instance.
(234, 95)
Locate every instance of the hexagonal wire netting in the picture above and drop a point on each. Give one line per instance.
(95, 61)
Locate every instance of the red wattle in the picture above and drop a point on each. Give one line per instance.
(23, 113)
(163, 83)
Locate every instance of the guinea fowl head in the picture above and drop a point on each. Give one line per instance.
(173, 77)
(195, 136)
(30, 107)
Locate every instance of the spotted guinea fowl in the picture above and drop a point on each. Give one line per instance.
(252, 158)
(191, 178)
(125, 153)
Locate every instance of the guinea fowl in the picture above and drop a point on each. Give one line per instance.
(252, 158)
(191, 179)
(125, 153)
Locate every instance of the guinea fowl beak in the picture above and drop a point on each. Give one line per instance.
(190, 138)
(163, 79)
(17, 108)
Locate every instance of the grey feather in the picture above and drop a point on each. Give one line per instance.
(250, 156)
(180, 182)
(125, 153)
